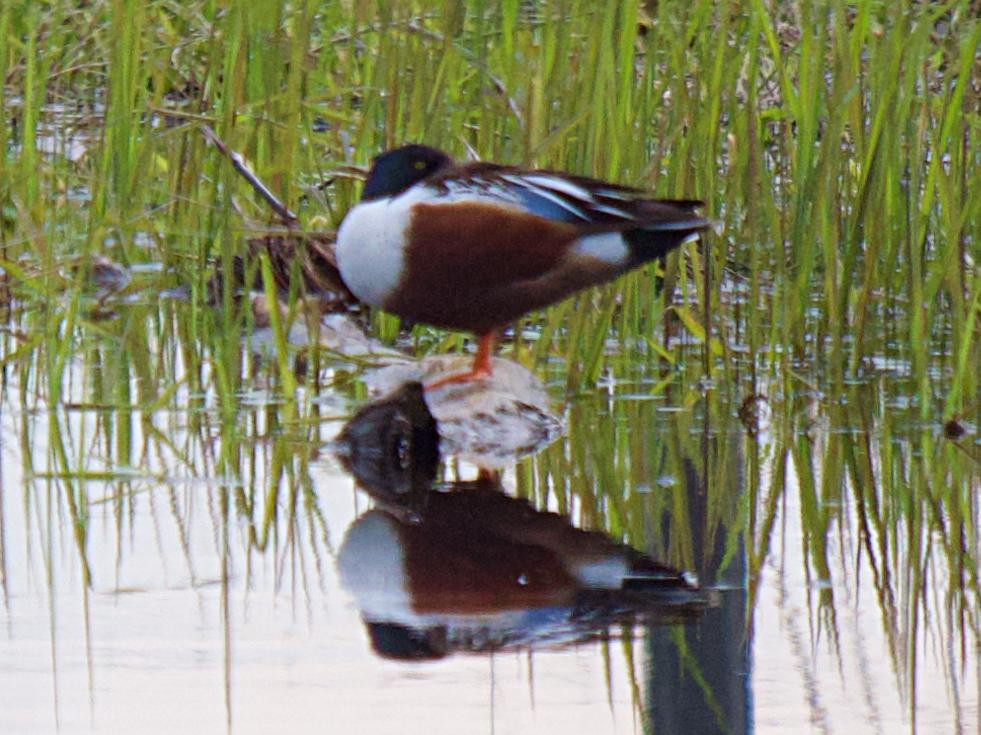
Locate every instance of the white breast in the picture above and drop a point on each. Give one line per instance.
(371, 247)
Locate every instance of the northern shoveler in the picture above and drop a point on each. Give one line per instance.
(474, 246)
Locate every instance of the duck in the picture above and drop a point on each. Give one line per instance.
(474, 246)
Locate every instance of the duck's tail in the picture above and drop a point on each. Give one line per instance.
(671, 224)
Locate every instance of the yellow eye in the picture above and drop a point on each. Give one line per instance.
(419, 165)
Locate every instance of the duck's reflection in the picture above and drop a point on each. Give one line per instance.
(437, 569)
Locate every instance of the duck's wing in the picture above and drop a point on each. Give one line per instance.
(588, 204)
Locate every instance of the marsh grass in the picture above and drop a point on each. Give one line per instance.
(836, 144)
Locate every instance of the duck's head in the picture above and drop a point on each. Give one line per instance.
(394, 171)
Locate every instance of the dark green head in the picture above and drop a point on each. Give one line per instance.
(396, 170)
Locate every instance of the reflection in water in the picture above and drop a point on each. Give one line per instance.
(461, 566)
(490, 423)
(703, 686)
(159, 535)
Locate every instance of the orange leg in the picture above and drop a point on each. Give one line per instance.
(485, 351)
(481, 367)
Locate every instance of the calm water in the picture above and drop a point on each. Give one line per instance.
(169, 564)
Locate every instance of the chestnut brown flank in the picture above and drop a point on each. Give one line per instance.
(464, 260)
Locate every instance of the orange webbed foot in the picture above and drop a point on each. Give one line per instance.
(480, 369)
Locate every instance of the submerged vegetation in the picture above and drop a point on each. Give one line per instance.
(816, 358)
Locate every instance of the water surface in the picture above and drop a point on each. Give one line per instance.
(172, 564)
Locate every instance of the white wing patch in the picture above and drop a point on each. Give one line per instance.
(619, 213)
(475, 190)
(688, 224)
(563, 186)
(623, 196)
